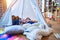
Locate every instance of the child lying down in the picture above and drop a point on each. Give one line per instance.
(28, 20)
(16, 20)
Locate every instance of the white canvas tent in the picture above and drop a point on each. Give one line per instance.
(23, 9)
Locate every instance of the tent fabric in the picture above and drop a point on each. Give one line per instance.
(6, 19)
(23, 9)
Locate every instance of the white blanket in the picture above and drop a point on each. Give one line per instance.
(33, 35)
(36, 31)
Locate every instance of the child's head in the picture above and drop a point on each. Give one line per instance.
(13, 17)
(28, 19)
(17, 17)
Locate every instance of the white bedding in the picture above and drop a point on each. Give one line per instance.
(32, 31)
(36, 31)
(33, 35)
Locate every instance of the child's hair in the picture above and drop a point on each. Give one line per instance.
(13, 17)
(28, 18)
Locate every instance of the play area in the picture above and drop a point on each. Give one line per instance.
(23, 17)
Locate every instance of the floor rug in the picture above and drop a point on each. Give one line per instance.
(10, 37)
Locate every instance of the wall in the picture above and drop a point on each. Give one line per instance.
(2, 7)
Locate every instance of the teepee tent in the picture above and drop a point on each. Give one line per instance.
(23, 9)
(6, 18)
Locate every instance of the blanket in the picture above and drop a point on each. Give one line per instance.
(36, 31)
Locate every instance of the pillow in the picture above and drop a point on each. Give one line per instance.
(14, 29)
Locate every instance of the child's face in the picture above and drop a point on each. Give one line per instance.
(13, 18)
(17, 17)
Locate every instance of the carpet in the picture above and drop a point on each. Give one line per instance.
(10, 37)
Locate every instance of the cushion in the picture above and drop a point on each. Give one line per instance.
(14, 29)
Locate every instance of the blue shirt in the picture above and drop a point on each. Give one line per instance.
(31, 22)
(15, 22)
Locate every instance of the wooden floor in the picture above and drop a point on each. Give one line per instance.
(56, 27)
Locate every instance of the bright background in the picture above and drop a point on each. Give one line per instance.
(8, 2)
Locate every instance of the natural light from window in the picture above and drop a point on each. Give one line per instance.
(8, 2)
